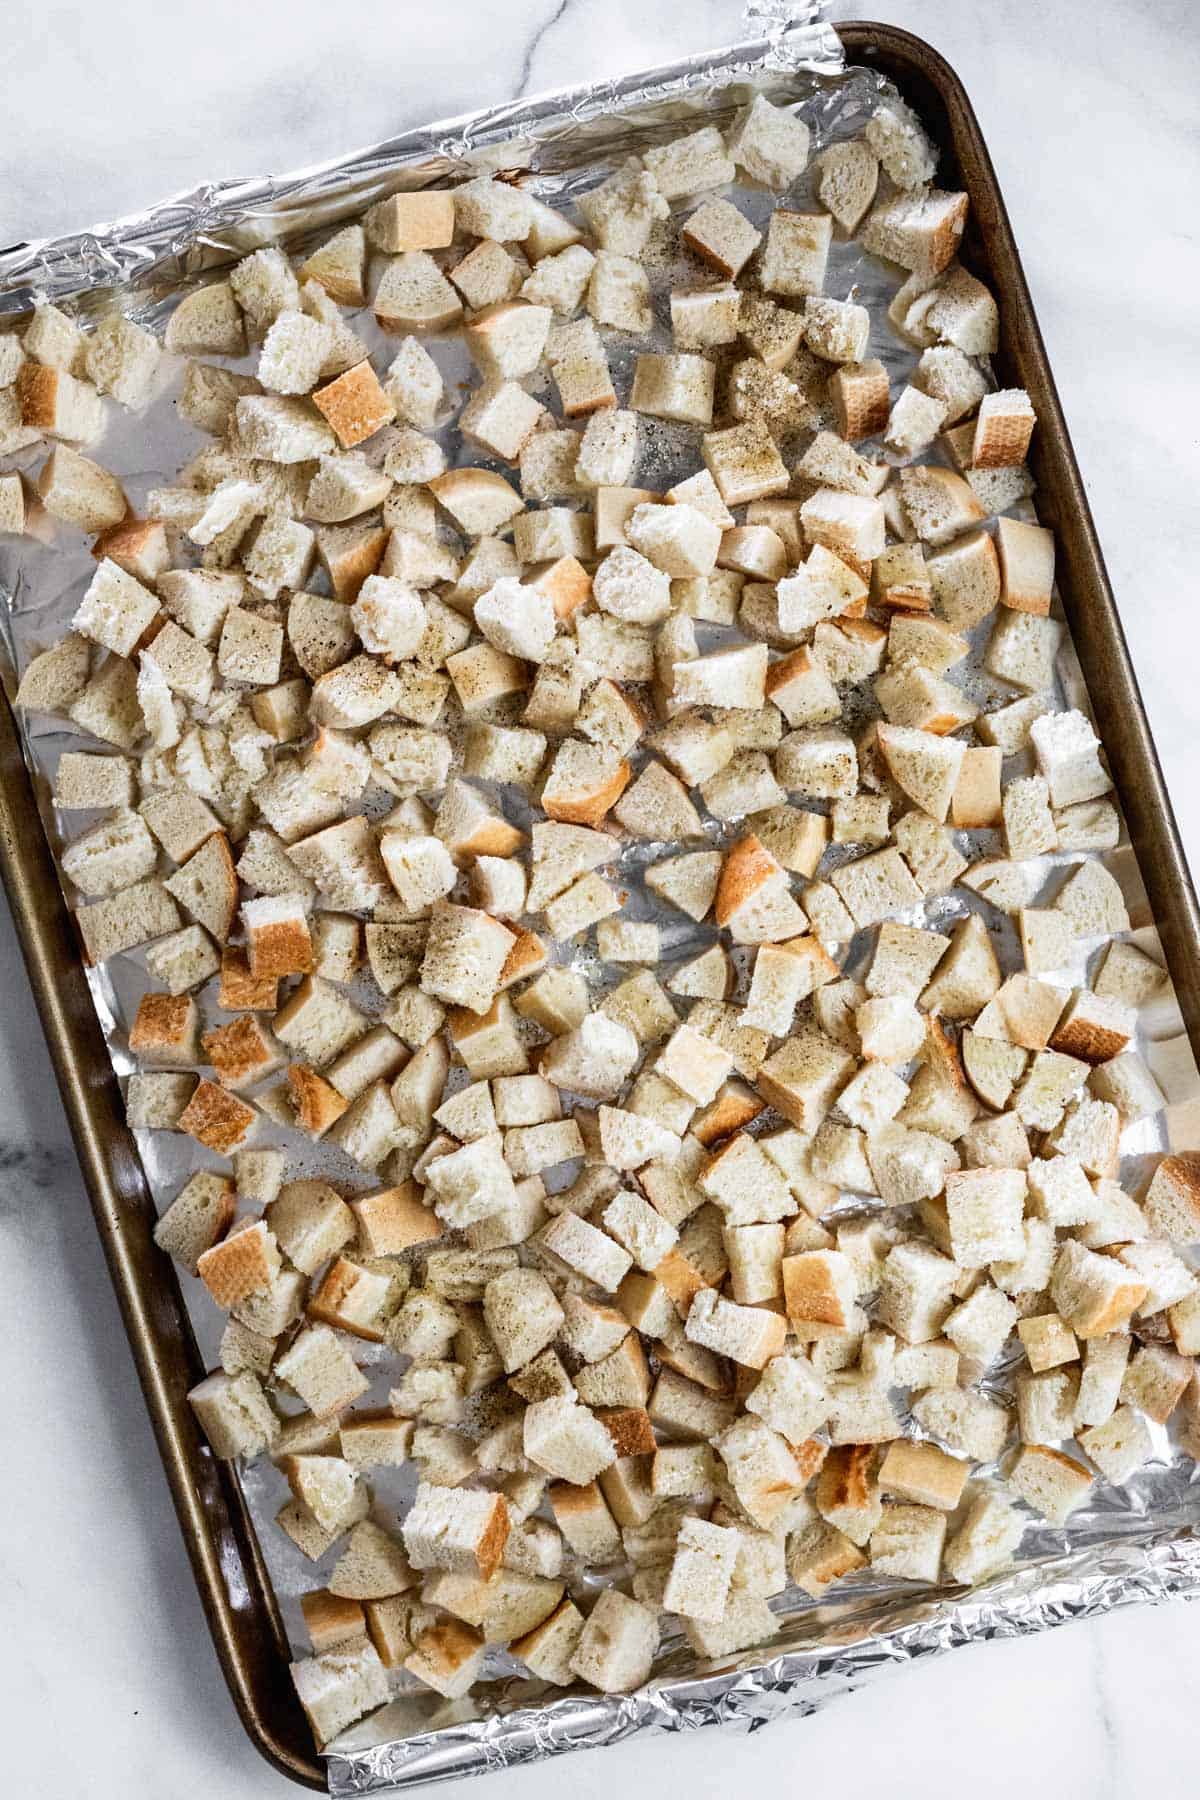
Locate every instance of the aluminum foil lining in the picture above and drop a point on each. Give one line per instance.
(147, 255)
(837, 1655)
(1137, 1543)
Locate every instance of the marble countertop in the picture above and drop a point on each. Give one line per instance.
(1090, 114)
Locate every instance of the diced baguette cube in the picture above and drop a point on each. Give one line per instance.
(616, 1649)
(1003, 429)
(461, 1530)
(73, 488)
(567, 1440)
(591, 1253)
(763, 1469)
(471, 1183)
(748, 1335)
(1118, 1447)
(796, 250)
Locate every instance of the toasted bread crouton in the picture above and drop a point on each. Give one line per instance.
(217, 1119)
(53, 402)
(1003, 429)
(1172, 1201)
(920, 231)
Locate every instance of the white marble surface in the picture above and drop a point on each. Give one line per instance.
(108, 1685)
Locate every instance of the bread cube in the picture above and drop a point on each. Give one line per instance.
(1053, 1484)
(234, 1414)
(1094, 1294)
(458, 1529)
(688, 165)
(548, 1648)
(796, 251)
(471, 1183)
(618, 293)
(907, 1542)
(985, 1209)
(920, 231)
(836, 330)
(745, 463)
(981, 1324)
(412, 294)
(702, 1570)
(560, 279)
(851, 525)
(116, 610)
(339, 1687)
(677, 386)
(567, 1440)
(50, 401)
(898, 139)
(1119, 1447)
(790, 1397)
(616, 1649)
(622, 211)
(591, 1253)
(73, 488)
(762, 1468)
(915, 420)
(522, 1314)
(704, 317)
(1003, 429)
(321, 1371)
(748, 1335)
(579, 365)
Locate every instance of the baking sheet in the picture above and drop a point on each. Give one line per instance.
(1130, 1545)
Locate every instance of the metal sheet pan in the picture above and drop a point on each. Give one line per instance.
(149, 259)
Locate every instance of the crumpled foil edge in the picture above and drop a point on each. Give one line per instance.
(1125, 1572)
(192, 232)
